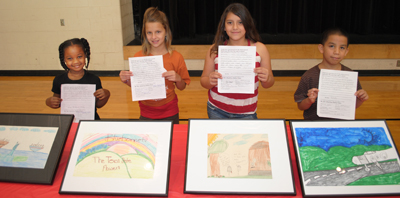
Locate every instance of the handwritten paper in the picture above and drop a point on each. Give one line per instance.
(336, 97)
(78, 99)
(236, 65)
(147, 82)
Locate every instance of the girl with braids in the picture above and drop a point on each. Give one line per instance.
(236, 28)
(73, 55)
(156, 40)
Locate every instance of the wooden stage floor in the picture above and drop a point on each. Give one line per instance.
(28, 95)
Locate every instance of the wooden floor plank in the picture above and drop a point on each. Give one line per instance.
(28, 94)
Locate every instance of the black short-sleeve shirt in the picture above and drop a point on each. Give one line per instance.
(87, 78)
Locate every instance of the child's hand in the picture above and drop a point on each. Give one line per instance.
(100, 94)
(361, 95)
(125, 76)
(54, 102)
(214, 76)
(312, 94)
(172, 76)
(262, 73)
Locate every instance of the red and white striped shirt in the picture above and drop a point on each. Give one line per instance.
(233, 102)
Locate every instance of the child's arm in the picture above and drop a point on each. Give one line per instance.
(54, 101)
(102, 96)
(264, 72)
(175, 77)
(361, 97)
(306, 103)
(125, 77)
(209, 77)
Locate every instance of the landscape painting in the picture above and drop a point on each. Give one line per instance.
(339, 154)
(239, 156)
(117, 156)
(25, 146)
(347, 156)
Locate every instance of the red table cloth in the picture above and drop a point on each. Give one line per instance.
(176, 180)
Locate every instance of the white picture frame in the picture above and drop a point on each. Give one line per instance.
(134, 160)
(346, 158)
(198, 180)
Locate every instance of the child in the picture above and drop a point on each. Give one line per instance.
(156, 40)
(236, 28)
(73, 55)
(333, 47)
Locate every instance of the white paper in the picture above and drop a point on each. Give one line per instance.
(236, 65)
(146, 82)
(78, 99)
(336, 97)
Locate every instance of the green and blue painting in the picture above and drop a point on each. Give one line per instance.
(347, 156)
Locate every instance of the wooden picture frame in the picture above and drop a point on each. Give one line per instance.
(31, 146)
(346, 158)
(238, 157)
(119, 158)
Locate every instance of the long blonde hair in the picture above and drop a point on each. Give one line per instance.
(152, 14)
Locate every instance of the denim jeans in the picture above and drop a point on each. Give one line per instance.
(216, 113)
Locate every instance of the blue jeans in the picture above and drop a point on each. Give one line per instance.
(216, 113)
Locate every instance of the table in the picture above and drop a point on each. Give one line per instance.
(176, 180)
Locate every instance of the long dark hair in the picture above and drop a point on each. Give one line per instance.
(241, 11)
(83, 43)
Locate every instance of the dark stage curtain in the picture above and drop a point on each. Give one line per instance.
(281, 21)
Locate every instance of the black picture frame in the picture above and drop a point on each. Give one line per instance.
(255, 160)
(144, 143)
(35, 175)
(346, 158)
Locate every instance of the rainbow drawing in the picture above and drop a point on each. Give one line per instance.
(117, 155)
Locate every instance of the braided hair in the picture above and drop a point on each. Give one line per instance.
(83, 43)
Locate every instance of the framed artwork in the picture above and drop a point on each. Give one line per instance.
(346, 158)
(119, 158)
(31, 146)
(238, 157)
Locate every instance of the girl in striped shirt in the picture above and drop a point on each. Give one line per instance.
(236, 28)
